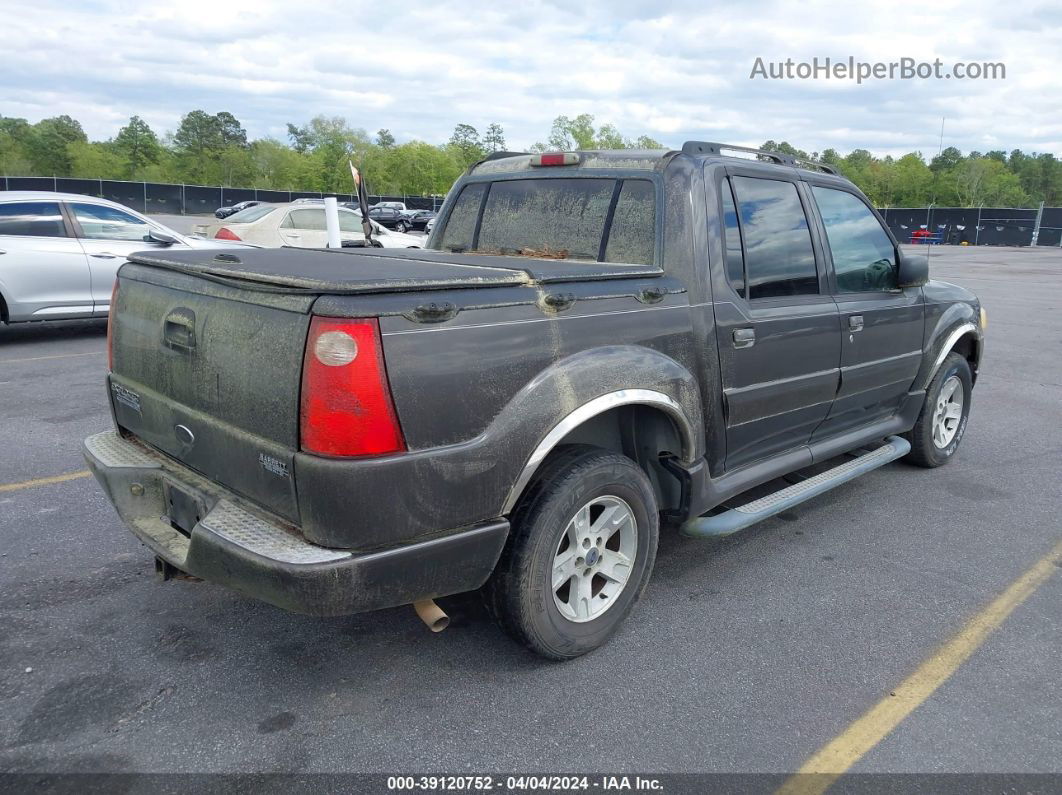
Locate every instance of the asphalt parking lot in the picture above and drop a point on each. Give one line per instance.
(747, 654)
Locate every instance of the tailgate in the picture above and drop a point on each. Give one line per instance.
(210, 375)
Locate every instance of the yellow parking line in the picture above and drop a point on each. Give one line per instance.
(29, 484)
(817, 774)
(56, 356)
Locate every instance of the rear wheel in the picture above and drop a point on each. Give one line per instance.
(942, 423)
(579, 554)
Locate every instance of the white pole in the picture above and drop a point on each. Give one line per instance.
(332, 222)
(1036, 228)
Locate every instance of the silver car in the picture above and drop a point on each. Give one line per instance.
(59, 252)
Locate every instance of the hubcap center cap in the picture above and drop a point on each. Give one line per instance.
(592, 556)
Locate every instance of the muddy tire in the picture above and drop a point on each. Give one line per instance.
(579, 554)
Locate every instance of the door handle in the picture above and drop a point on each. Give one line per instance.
(104, 255)
(855, 322)
(744, 337)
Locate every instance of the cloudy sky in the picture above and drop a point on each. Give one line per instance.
(672, 70)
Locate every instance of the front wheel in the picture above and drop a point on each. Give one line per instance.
(942, 423)
(401, 227)
(579, 554)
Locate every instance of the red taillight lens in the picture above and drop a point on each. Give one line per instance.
(346, 401)
(113, 308)
(225, 234)
(555, 159)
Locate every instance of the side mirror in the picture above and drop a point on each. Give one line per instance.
(913, 270)
(162, 238)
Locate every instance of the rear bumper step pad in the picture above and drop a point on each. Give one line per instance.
(723, 524)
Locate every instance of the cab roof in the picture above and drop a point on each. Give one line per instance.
(647, 159)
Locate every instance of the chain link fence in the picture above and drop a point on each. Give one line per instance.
(977, 226)
(159, 197)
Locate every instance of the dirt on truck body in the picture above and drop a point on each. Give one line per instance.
(592, 346)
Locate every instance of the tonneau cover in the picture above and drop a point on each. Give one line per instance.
(373, 270)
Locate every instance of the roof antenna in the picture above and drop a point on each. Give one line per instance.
(363, 203)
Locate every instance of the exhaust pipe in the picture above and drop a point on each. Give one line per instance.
(432, 615)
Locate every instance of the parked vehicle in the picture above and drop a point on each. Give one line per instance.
(430, 226)
(302, 224)
(400, 206)
(414, 219)
(225, 212)
(386, 216)
(596, 344)
(59, 252)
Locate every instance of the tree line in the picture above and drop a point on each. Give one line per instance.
(214, 149)
(950, 179)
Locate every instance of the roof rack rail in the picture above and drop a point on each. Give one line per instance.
(712, 148)
(500, 155)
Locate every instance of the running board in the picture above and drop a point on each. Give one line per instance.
(723, 524)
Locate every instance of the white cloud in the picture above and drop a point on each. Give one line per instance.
(671, 70)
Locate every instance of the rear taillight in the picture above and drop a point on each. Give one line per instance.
(346, 401)
(110, 324)
(225, 234)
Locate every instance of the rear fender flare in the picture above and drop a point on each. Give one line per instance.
(580, 387)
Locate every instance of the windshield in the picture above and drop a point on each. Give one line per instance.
(251, 214)
(585, 218)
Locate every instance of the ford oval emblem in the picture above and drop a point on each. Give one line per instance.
(184, 436)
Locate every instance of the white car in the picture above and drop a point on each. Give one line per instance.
(301, 225)
(59, 252)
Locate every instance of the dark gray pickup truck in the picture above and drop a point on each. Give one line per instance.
(594, 345)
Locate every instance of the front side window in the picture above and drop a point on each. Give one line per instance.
(864, 259)
(31, 219)
(593, 219)
(99, 222)
(779, 258)
(350, 222)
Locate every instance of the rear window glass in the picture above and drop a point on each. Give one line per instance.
(461, 226)
(250, 214)
(32, 219)
(591, 219)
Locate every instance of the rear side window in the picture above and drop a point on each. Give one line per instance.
(863, 256)
(603, 220)
(313, 220)
(31, 219)
(779, 258)
(735, 257)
